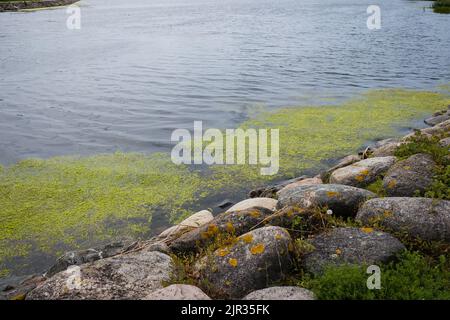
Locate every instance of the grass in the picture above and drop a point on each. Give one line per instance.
(413, 277)
(441, 6)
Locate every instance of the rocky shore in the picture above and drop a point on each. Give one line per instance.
(26, 5)
(366, 210)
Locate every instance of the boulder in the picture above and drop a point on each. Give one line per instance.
(89, 255)
(362, 173)
(178, 292)
(257, 259)
(281, 293)
(385, 148)
(438, 117)
(271, 190)
(428, 219)
(126, 276)
(344, 246)
(194, 221)
(341, 199)
(307, 181)
(440, 128)
(409, 176)
(228, 223)
(267, 203)
(348, 160)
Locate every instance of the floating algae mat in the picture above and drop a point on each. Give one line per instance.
(68, 202)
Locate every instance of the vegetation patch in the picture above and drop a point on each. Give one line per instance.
(413, 277)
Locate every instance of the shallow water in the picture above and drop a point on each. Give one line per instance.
(139, 69)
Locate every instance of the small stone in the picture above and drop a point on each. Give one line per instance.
(178, 292)
(281, 293)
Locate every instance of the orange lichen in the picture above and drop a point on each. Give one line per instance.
(233, 262)
(392, 184)
(223, 252)
(230, 227)
(387, 213)
(367, 229)
(331, 194)
(258, 249)
(247, 238)
(255, 213)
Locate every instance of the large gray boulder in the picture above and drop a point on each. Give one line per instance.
(424, 218)
(127, 276)
(344, 246)
(281, 293)
(341, 199)
(438, 117)
(409, 176)
(362, 173)
(231, 223)
(257, 259)
(178, 292)
(346, 161)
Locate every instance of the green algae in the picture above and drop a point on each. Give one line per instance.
(74, 201)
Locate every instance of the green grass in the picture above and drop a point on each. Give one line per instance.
(441, 6)
(414, 277)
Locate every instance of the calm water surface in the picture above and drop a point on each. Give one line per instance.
(138, 69)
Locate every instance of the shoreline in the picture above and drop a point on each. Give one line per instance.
(174, 242)
(15, 6)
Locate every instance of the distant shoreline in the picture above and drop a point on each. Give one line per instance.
(11, 6)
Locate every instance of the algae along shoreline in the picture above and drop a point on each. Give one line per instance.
(54, 205)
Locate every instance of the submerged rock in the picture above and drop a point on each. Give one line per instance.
(438, 117)
(427, 219)
(341, 199)
(228, 223)
(127, 276)
(267, 203)
(409, 176)
(362, 173)
(343, 246)
(178, 292)
(281, 293)
(89, 255)
(257, 259)
(271, 190)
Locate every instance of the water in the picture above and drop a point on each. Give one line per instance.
(139, 69)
